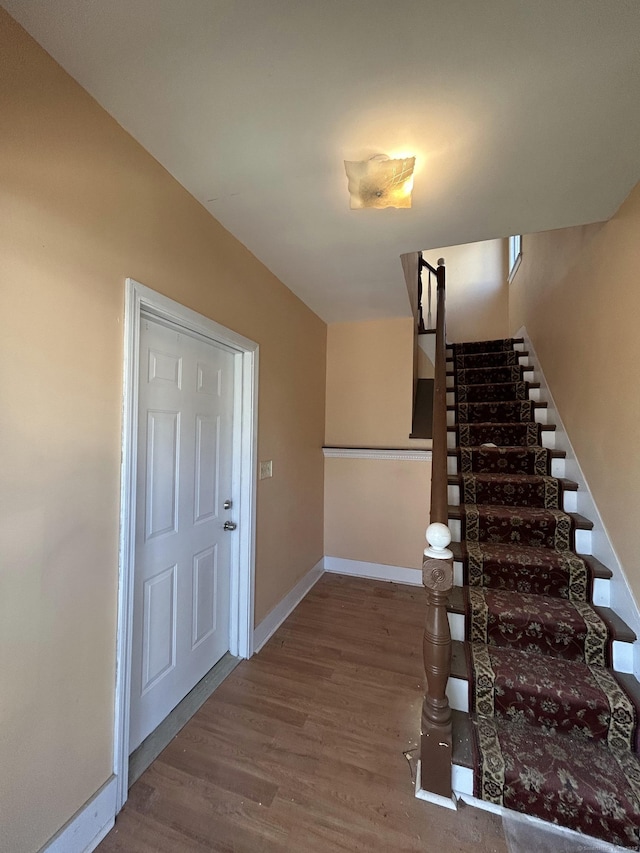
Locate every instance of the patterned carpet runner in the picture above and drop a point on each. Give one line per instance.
(555, 733)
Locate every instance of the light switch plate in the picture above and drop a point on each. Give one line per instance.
(266, 469)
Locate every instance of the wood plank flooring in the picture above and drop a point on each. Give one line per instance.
(302, 748)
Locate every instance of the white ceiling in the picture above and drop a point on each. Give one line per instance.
(524, 115)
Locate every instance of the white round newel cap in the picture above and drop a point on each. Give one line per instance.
(438, 536)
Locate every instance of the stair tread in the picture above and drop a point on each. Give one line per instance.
(555, 454)
(567, 485)
(543, 427)
(452, 389)
(619, 629)
(460, 669)
(462, 739)
(597, 568)
(526, 368)
(458, 343)
(521, 354)
(537, 404)
(580, 521)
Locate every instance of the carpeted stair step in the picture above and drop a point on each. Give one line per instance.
(542, 528)
(497, 345)
(535, 623)
(474, 361)
(490, 375)
(507, 411)
(541, 571)
(566, 696)
(504, 460)
(495, 392)
(502, 435)
(587, 786)
(618, 630)
(511, 490)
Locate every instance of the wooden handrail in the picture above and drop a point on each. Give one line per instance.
(437, 577)
(422, 264)
(439, 500)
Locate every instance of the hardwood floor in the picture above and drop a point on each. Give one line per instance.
(303, 747)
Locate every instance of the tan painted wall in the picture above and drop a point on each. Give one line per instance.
(477, 290)
(577, 292)
(370, 384)
(83, 206)
(377, 510)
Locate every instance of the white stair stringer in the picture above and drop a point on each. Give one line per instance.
(621, 598)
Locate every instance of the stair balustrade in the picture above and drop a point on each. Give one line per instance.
(437, 576)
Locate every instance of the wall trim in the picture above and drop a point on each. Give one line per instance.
(89, 825)
(375, 453)
(286, 606)
(374, 571)
(622, 600)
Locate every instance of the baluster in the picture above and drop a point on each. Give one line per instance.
(437, 577)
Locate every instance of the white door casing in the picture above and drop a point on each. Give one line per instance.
(182, 552)
(141, 301)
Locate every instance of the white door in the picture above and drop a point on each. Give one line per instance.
(182, 554)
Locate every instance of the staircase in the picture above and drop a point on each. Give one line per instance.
(544, 722)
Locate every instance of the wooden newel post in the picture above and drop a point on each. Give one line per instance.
(435, 751)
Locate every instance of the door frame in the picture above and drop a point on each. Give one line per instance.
(141, 302)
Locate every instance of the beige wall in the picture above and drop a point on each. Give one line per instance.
(370, 384)
(376, 510)
(577, 292)
(83, 206)
(477, 290)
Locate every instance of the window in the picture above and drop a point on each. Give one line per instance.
(515, 254)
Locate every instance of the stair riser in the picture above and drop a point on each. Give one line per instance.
(582, 537)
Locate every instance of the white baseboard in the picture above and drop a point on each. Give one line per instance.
(621, 598)
(89, 825)
(287, 605)
(376, 571)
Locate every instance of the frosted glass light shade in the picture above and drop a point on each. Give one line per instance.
(380, 182)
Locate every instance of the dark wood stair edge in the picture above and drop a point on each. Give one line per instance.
(462, 733)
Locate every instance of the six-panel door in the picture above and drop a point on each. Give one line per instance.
(182, 561)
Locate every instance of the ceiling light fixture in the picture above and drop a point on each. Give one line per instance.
(380, 181)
